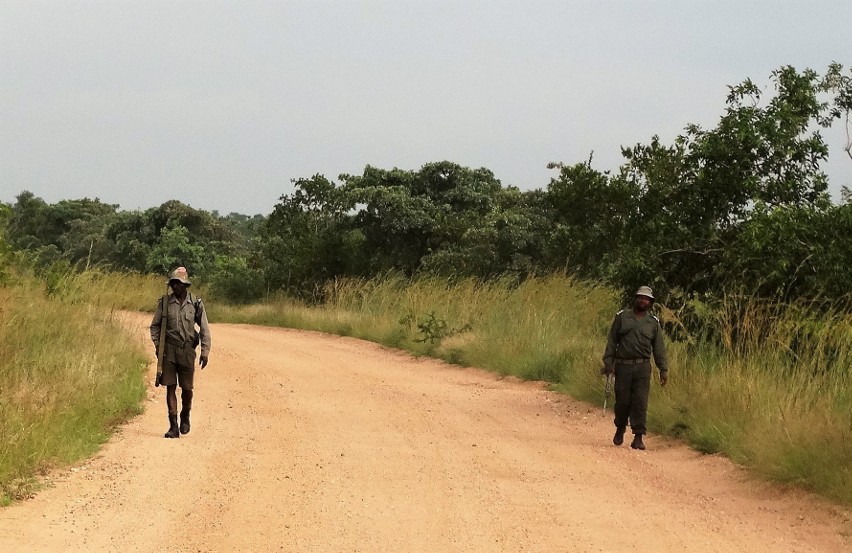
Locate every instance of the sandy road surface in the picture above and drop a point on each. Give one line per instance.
(304, 442)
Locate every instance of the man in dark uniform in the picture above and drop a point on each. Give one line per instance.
(183, 313)
(635, 335)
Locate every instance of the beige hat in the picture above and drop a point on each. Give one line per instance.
(645, 291)
(181, 275)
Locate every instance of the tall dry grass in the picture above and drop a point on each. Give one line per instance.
(772, 389)
(68, 371)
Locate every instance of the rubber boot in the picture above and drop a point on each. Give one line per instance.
(184, 421)
(618, 439)
(637, 442)
(173, 432)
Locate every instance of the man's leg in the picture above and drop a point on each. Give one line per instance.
(623, 379)
(171, 403)
(186, 378)
(641, 388)
(169, 380)
(186, 406)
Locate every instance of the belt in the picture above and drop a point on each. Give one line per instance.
(631, 361)
(178, 343)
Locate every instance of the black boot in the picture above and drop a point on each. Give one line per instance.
(618, 439)
(184, 421)
(173, 428)
(185, 406)
(637, 442)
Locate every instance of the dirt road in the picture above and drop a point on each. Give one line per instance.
(303, 442)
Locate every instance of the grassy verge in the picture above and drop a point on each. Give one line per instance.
(776, 399)
(68, 373)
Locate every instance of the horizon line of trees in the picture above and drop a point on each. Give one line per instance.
(743, 205)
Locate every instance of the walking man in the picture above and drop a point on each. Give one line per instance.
(181, 314)
(635, 335)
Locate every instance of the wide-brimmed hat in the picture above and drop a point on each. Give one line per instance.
(645, 291)
(181, 275)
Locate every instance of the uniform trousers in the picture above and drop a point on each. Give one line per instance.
(632, 386)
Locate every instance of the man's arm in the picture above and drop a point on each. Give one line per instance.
(155, 324)
(611, 345)
(660, 355)
(204, 336)
(158, 325)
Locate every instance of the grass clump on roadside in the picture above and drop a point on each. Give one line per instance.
(68, 372)
(767, 385)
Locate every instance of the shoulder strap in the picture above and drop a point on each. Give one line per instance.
(199, 308)
(617, 322)
(657, 327)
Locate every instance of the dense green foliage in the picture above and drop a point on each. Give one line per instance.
(742, 205)
(88, 233)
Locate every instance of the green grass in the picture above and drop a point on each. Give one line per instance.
(771, 390)
(69, 374)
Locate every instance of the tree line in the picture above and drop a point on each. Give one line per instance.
(743, 205)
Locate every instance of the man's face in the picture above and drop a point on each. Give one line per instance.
(642, 303)
(178, 287)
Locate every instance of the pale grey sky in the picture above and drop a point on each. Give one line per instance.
(220, 104)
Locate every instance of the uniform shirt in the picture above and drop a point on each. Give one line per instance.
(632, 338)
(181, 322)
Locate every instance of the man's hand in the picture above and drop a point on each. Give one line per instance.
(664, 378)
(158, 380)
(608, 370)
(203, 361)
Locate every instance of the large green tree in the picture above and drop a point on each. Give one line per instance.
(695, 194)
(173, 249)
(71, 229)
(308, 238)
(407, 216)
(589, 213)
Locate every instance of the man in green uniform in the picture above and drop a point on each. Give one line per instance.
(183, 313)
(635, 335)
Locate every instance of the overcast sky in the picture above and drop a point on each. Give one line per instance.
(221, 104)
